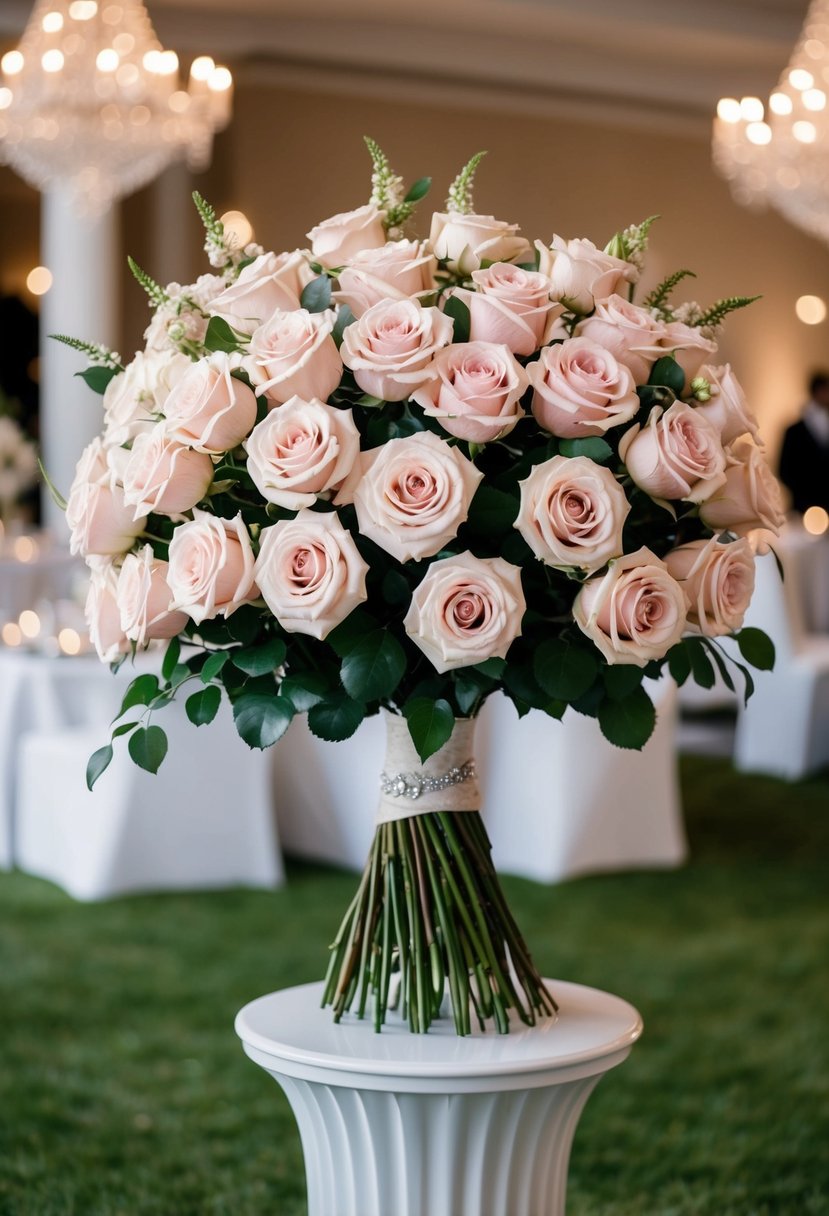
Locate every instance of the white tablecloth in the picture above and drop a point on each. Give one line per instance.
(205, 820)
(807, 563)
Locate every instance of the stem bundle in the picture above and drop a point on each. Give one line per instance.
(430, 908)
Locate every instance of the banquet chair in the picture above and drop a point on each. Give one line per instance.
(784, 729)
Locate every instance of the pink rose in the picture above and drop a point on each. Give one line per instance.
(572, 513)
(390, 347)
(163, 475)
(581, 389)
(399, 270)
(580, 274)
(466, 609)
(509, 306)
(134, 397)
(635, 612)
(628, 332)
(339, 239)
(718, 580)
(749, 498)
(728, 409)
(413, 494)
(310, 572)
(463, 241)
(688, 346)
(143, 596)
(211, 567)
(99, 519)
(103, 618)
(301, 450)
(677, 454)
(209, 409)
(294, 355)
(474, 389)
(269, 283)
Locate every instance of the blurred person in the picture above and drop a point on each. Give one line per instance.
(804, 458)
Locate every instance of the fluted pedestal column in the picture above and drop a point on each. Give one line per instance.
(435, 1125)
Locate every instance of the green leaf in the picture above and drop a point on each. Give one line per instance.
(316, 295)
(564, 670)
(336, 718)
(373, 667)
(720, 664)
(519, 680)
(621, 679)
(679, 663)
(492, 511)
(214, 664)
(98, 762)
(702, 669)
(345, 317)
(220, 336)
(56, 496)
(148, 747)
(756, 647)
(97, 377)
(458, 311)
(430, 724)
(262, 718)
(260, 660)
(304, 691)
(596, 449)
(467, 692)
(244, 624)
(141, 691)
(419, 190)
(493, 669)
(171, 657)
(203, 705)
(667, 372)
(396, 589)
(348, 632)
(628, 722)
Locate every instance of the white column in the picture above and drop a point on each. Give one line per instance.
(174, 220)
(83, 302)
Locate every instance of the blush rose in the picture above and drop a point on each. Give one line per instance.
(474, 390)
(211, 567)
(163, 475)
(580, 274)
(509, 306)
(294, 355)
(337, 240)
(143, 596)
(581, 389)
(677, 454)
(464, 241)
(718, 579)
(100, 520)
(301, 450)
(209, 409)
(389, 349)
(572, 513)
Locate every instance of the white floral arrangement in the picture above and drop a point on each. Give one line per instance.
(389, 472)
(18, 464)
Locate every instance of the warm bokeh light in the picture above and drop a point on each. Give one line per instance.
(804, 132)
(5, 98)
(238, 224)
(201, 67)
(39, 280)
(758, 133)
(811, 310)
(52, 22)
(52, 61)
(11, 634)
(814, 99)
(107, 60)
(83, 10)
(69, 641)
(167, 63)
(780, 103)
(800, 79)
(219, 80)
(25, 549)
(152, 61)
(29, 623)
(11, 63)
(751, 109)
(816, 521)
(728, 109)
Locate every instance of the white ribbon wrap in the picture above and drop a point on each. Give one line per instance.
(403, 761)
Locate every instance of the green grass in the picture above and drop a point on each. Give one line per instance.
(124, 1092)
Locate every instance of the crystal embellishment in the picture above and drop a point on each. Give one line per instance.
(413, 785)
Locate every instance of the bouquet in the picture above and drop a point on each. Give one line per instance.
(389, 473)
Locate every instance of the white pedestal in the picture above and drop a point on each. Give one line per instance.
(398, 1124)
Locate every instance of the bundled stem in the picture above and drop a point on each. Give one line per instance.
(430, 909)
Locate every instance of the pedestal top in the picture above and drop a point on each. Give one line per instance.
(289, 1032)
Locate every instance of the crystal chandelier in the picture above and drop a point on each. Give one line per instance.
(779, 154)
(92, 102)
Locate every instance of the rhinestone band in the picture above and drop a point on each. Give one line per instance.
(412, 785)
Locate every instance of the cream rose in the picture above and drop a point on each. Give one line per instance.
(728, 409)
(474, 389)
(688, 346)
(143, 596)
(399, 270)
(463, 241)
(628, 332)
(210, 409)
(303, 449)
(269, 283)
(163, 475)
(310, 572)
(749, 498)
(510, 306)
(211, 567)
(389, 349)
(103, 618)
(134, 397)
(572, 513)
(635, 612)
(581, 389)
(99, 519)
(580, 274)
(339, 239)
(718, 580)
(412, 494)
(466, 609)
(677, 454)
(294, 355)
